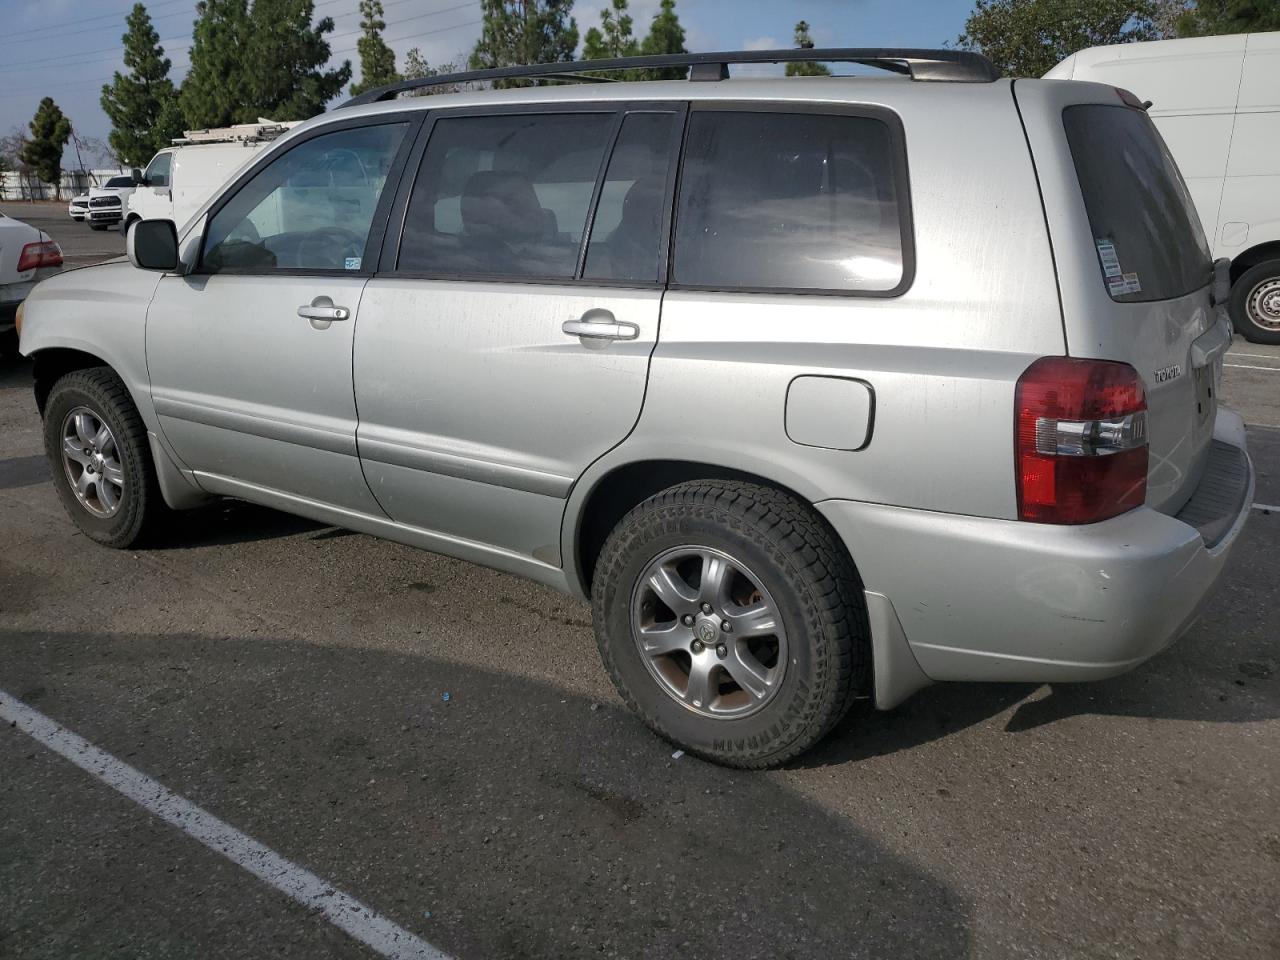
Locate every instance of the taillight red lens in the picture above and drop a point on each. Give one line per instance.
(45, 253)
(1080, 440)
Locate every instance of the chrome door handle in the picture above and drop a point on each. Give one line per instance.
(604, 328)
(319, 311)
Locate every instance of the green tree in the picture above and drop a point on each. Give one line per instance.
(1210, 17)
(262, 61)
(519, 32)
(216, 86)
(666, 35)
(1024, 38)
(287, 55)
(50, 131)
(377, 60)
(142, 104)
(806, 69)
(615, 39)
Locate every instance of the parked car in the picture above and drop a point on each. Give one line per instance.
(107, 202)
(935, 394)
(78, 209)
(182, 177)
(27, 255)
(1216, 100)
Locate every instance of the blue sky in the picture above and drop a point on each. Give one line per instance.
(67, 49)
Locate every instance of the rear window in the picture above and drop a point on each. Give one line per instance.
(1146, 231)
(791, 201)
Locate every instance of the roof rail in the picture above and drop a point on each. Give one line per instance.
(960, 66)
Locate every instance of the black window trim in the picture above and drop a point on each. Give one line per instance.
(901, 172)
(620, 110)
(377, 226)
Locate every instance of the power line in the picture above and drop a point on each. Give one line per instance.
(70, 59)
(79, 20)
(101, 80)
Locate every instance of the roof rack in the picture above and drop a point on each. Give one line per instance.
(960, 66)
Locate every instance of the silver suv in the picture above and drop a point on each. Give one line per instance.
(819, 388)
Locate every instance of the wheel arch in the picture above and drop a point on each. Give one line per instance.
(53, 363)
(1248, 259)
(608, 497)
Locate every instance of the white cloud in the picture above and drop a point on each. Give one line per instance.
(761, 43)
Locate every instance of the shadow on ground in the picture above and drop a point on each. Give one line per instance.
(527, 822)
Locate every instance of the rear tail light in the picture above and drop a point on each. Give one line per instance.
(46, 253)
(1080, 440)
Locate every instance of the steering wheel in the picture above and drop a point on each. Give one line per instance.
(328, 248)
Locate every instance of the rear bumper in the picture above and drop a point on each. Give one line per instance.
(12, 294)
(983, 599)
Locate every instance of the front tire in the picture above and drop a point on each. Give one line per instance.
(98, 453)
(732, 620)
(1255, 303)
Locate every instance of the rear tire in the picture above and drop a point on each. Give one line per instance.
(1255, 303)
(100, 459)
(801, 640)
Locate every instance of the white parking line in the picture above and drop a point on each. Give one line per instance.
(1245, 366)
(302, 886)
(1266, 506)
(1255, 356)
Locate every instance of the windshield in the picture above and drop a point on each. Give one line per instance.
(120, 182)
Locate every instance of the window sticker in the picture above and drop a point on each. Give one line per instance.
(353, 263)
(1110, 260)
(1125, 283)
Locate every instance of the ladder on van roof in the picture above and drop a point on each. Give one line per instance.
(957, 66)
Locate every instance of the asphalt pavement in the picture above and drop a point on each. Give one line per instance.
(439, 743)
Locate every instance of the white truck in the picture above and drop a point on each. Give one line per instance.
(181, 177)
(1216, 101)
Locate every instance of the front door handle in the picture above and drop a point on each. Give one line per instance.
(600, 325)
(321, 312)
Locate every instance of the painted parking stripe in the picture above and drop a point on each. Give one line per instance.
(302, 886)
(1246, 366)
(1255, 356)
(1266, 506)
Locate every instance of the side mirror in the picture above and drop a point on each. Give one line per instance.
(153, 245)
(138, 179)
(1221, 291)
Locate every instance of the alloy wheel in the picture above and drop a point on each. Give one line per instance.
(709, 632)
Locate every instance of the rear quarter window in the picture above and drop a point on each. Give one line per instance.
(805, 202)
(1146, 233)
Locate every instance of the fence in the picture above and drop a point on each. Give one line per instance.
(15, 185)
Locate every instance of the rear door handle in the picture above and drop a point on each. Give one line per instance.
(600, 325)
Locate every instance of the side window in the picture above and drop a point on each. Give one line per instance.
(790, 201)
(626, 237)
(157, 174)
(310, 208)
(504, 196)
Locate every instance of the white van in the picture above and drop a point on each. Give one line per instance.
(1216, 101)
(180, 178)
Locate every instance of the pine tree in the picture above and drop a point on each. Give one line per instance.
(666, 35)
(286, 60)
(377, 60)
(519, 32)
(50, 131)
(805, 68)
(216, 85)
(615, 40)
(141, 105)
